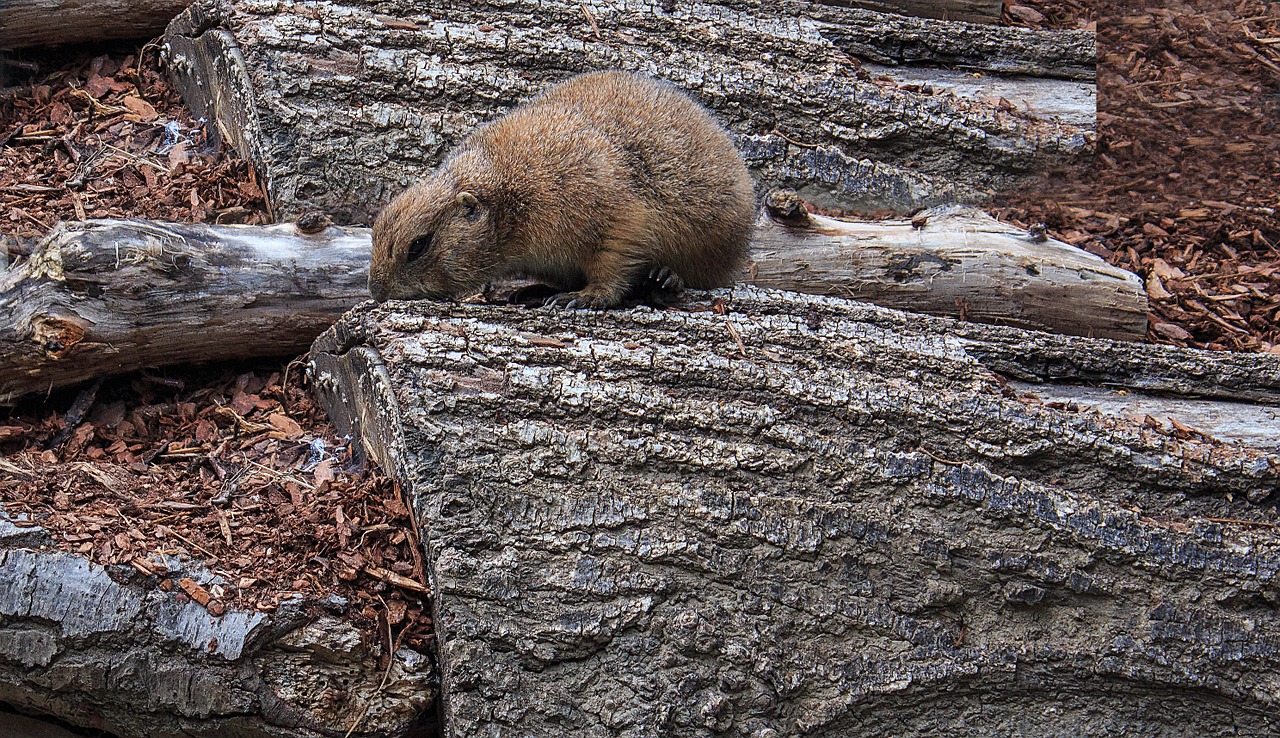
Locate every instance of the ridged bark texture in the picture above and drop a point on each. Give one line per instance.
(812, 517)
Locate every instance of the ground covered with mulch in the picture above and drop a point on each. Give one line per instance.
(235, 467)
(1185, 189)
(232, 468)
(101, 135)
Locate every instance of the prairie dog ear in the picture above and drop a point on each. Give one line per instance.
(468, 201)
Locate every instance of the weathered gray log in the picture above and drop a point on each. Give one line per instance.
(974, 11)
(110, 296)
(809, 517)
(108, 650)
(1015, 51)
(955, 262)
(342, 105)
(25, 23)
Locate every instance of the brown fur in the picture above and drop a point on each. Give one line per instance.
(598, 183)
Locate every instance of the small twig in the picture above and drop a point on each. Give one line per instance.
(1233, 521)
(792, 141)
(738, 338)
(939, 459)
(171, 532)
(399, 580)
(16, 471)
(591, 19)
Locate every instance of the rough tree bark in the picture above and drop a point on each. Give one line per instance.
(341, 105)
(812, 517)
(26, 23)
(106, 649)
(974, 11)
(110, 296)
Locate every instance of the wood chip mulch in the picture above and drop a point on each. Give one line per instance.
(93, 135)
(230, 469)
(1185, 188)
(234, 468)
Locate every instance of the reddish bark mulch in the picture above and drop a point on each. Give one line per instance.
(1186, 185)
(232, 467)
(93, 135)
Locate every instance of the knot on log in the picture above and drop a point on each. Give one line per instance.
(56, 335)
(312, 222)
(785, 206)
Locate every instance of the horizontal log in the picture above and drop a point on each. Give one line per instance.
(108, 650)
(956, 262)
(25, 23)
(899, 41)
(804, 516)
(342, 105)
(973, 11)
(111, 296)
(103, 297)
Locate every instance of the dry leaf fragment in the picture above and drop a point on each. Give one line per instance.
(139, 110)
(286, 425)
(194, 591)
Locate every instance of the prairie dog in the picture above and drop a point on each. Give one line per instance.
(598, 184)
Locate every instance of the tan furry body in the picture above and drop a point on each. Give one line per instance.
(593, 186)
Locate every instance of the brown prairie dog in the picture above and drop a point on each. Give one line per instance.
(600, 183)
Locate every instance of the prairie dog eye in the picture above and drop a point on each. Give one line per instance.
(419, 246)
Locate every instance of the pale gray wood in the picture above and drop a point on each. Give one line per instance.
(1253, 425)
(341, 105)
(110, 296)
(955, 262)
(25, 23)
(810, 517)
(106, 649)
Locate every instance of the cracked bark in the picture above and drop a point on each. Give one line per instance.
(103, 648)
(815, 517)
(342, 105)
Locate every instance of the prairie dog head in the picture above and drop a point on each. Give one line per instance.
(435, 240)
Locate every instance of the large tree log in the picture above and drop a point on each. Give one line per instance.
(108, 650)
(976, 11)
(112, 296)
(810, 517)
(53, 22)
(341, 105)
(952, 261)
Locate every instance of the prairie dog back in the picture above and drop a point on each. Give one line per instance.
(595, 186)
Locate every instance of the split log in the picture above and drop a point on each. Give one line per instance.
(342, 105)
(25, 23)
(112, 296)
(105, 649)
(808, 516)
